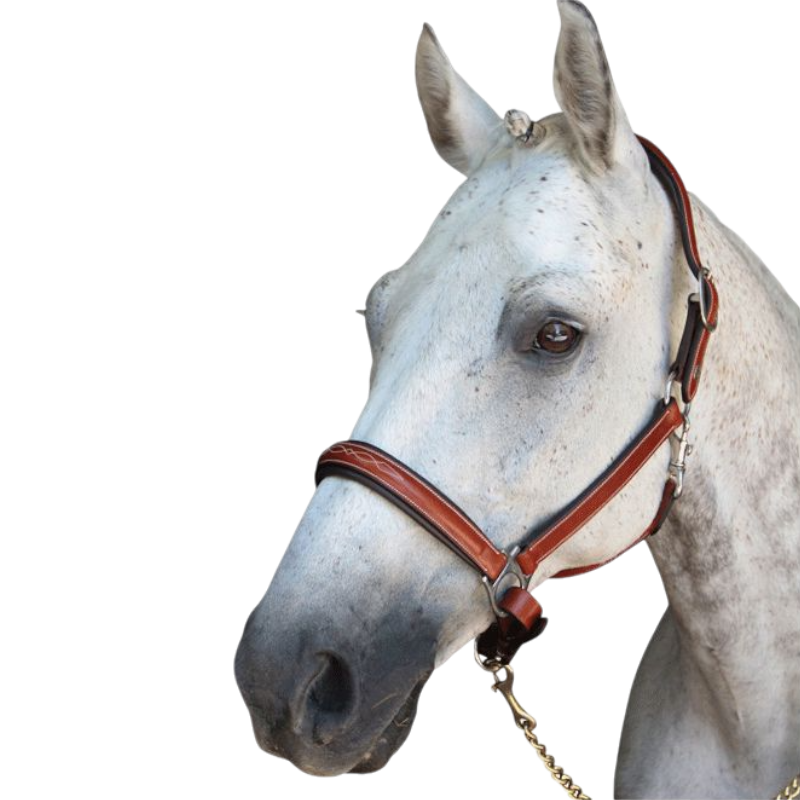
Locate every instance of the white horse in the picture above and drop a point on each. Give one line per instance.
(560, 235)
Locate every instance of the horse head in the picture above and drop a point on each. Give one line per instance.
(514, 356)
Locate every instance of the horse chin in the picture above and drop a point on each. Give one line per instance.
(344, 754)
(393, 736)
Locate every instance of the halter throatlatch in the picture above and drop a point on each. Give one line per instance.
(507, 575)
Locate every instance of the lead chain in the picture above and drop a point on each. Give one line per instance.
(558, 774)
(502, 683)
(791, 792)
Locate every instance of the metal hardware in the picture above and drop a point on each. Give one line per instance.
(502, 683)
(497, 588)
(489, 664)
(526, 723)
(671, 378)
(791, 792)
(503, 678)
(682, 449)
(680, 441)
(524, 720)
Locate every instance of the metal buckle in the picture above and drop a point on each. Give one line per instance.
(496, 589)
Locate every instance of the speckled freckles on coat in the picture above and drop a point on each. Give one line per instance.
(558, 226)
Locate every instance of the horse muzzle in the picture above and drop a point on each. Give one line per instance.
(331, 704)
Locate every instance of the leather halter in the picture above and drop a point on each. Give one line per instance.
(506, 575)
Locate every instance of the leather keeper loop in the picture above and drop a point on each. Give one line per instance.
(501, 640)
(521, 605)
(686, 361)
(696, 335)
(410, 492)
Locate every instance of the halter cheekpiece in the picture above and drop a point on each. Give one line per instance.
(507, 575)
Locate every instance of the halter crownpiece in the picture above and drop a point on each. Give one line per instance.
(507, 575)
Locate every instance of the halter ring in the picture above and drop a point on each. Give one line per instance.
(511, 570)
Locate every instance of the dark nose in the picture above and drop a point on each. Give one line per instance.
(332, 695)
(294, 698)
(327, 702)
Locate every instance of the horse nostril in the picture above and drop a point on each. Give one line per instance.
(330, 697)
(332, 688)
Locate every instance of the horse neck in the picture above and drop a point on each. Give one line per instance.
(730, 553)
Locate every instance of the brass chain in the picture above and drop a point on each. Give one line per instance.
(557, 772)
(791, 792)
(502, 683)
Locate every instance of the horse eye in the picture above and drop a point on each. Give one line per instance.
(557, 337)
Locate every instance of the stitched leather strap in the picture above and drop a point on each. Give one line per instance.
(421, 500)
(665, 170)
(696, 334)
(418, 498)
(667, 420)
(667, 499)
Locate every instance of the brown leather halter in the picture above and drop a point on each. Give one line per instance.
(506, 575)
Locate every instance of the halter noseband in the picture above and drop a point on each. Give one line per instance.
(507, 575)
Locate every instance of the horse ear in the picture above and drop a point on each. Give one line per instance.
(586, 93)
(462, 125)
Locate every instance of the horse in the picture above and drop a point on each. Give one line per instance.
(544, 305)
